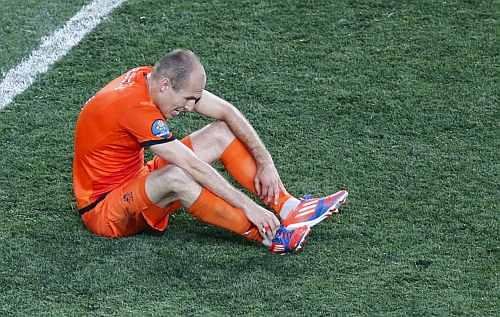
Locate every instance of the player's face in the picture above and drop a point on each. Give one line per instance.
(174, 101)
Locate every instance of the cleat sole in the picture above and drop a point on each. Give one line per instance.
(303, 241)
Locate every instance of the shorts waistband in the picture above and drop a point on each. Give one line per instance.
(88, 208)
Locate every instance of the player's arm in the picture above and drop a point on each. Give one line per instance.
(267, 181)
(178, 154)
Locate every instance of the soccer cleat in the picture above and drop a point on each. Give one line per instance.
(288, 241)
(311, 211)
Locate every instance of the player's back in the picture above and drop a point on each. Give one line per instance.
(106, 153)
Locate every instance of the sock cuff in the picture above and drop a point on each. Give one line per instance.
(200, 204)
(233, 150)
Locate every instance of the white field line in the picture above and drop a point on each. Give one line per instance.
(53, 47)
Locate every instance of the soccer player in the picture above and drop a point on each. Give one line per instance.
(119, 195)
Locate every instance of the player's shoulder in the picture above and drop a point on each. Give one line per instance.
(134, 77)
(128, 89)
(132, 81)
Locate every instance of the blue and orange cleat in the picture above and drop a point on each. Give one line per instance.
(311, 211)
(289, 241)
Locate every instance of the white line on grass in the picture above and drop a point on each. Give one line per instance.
(54, 47)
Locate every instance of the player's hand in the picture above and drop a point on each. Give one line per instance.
(264, 220)
(268, 183)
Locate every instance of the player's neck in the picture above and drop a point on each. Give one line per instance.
(148, 85)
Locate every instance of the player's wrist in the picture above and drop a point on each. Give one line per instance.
(240, 200)
(248, 206)
(263, 160)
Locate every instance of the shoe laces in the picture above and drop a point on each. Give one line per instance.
(283, 235)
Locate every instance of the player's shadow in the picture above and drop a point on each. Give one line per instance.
(211, 247)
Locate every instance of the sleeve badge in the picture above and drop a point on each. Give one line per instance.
(160, 129)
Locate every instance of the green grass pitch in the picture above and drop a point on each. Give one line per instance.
(397, 100)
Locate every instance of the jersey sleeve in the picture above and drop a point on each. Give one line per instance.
(146, 123)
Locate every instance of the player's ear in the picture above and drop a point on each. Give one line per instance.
(165, 84)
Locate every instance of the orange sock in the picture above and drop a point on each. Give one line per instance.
(241, 165)
(213, 210)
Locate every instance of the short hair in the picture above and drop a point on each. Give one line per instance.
(177, 66)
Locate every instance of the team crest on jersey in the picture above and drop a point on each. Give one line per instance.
(159, 128)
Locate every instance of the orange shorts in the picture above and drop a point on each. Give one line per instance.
(127, 210)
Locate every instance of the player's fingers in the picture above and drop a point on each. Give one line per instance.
(266, 231)
(272, 231)
(270, 193)
(277, 225)
(276, 193)
(269, 225)
(276, 222)
(272, 223)
(262, 230)
(257, 185)
(281, 186)
(270, 234)
(263, 234)
(263, 193)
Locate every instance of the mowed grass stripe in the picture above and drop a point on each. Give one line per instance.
(395, 100)
(53, 48)
(24, 23)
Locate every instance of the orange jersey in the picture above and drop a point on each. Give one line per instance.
(112, 130)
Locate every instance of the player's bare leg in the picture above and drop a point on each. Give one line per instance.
(211, 141)
(169, 184)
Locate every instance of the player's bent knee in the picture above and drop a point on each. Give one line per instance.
(174, 179)
(173, 183)
(222, 130)
(222, 134)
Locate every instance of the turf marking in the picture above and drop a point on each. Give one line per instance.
(54, 47)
